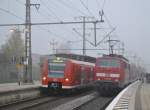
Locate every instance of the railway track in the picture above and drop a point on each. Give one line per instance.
(28, 103)
(83, 101)
(88, 102)
(42, 102)
(62, 100)
(98, 103)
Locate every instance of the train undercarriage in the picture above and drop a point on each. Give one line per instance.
(107, 88)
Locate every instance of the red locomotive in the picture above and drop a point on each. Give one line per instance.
(112, 73)
(67, 71)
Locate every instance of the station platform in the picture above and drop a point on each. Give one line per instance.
(13, 92)
(142, 99)
(136, 96)
(6, 87)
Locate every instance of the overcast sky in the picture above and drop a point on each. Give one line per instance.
(130, 17)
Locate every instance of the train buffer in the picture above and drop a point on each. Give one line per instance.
(134, 97)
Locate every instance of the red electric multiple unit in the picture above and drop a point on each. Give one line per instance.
(67, 71)
(111, 72)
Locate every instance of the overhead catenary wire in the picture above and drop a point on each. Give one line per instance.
(46, 29)
(49, 31)
(71, 7)
(54, 4)
(104, 1)
(101, 6)
(106, 36)
(105, 16)
(50, 10)
(107, 20)
(43, 16)
(11, 13)
(82, 37)
(58, 18)
(86, 8)
(44, 13)
(43, 29)
(98, 4)
(49, 18)
(62, 2)
(20, 18)
(20, 2)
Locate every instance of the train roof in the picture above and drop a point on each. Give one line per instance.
(115, 56)
(76, 57)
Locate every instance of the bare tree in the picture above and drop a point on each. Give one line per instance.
(14, 46)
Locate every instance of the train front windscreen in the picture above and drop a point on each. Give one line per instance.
(56, 68)
(108, 63)
(106, 69)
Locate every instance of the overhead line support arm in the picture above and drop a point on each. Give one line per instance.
(51, 23)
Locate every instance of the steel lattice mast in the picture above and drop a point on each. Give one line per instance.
(28, 52)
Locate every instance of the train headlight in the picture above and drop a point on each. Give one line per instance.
(44, 78)
(66, 79)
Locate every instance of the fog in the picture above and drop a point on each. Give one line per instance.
(129, 17)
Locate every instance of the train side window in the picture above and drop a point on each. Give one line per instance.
(83, 72)
(41, 65)
(78, 58)
(91, 69)
(125, 65)
(128, 66)
(91, 72)
(48, 67)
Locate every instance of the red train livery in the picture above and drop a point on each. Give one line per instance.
(112, 72)
(67, 71)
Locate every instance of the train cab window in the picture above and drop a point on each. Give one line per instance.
(126, 66)
(108, 63)
(56, 69)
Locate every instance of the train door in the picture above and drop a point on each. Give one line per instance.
(83, 74)
(126, 73)
(76, 75)
(91, 74)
